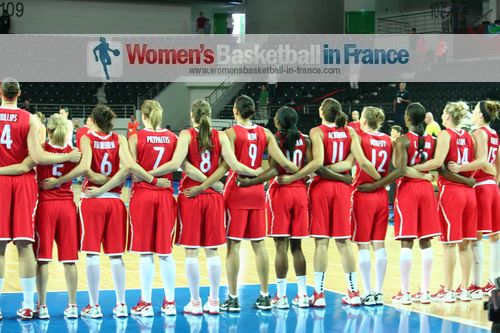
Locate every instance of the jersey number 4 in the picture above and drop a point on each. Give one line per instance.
(5, 137)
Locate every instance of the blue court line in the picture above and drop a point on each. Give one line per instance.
(334, 318)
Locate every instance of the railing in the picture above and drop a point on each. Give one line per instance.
(82, 110)
(151, 93)
(218, 92)
(426, 22)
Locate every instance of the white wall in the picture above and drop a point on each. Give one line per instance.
(101, 16)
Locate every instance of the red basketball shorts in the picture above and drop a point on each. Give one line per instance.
(488, 208)
(246, 224)
(415, 211)
(330, 210)
(288, 212)
(18, 203)
(56, 221)
(370, 216)
(152, 221)
(457, 213)
(103, 221)
(201, 221)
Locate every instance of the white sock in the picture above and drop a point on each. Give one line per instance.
(380, 268)
(167, 272)
(405, 259)
(214, 273)
(426, 269)
(477, 267)
(147, 273)
(118, 275)
(365, 270)
(352, 281)
(93, 278)
(495, 260)
(301, 285)
(28, 286)
(193, 277)
(264, 294)
(319, 282)
(281, 286)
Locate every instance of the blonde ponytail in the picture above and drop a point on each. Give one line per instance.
(457, 111)
(152, 111)
(57, 128)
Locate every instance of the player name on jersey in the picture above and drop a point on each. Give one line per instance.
(299, 142)
(461, 142)
(252, 136)
(104, 145)
(157, 139)
(337, 135)
(427, 145)
(10, 117)
(378, 143)
(494, 141)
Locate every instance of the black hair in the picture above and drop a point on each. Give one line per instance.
(288, 118)
(398, 128)
(416, 112)
(245, 106)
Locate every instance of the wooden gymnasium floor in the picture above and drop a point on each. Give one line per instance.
(468, 313)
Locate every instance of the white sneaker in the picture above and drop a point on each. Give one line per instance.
(43, 312)
(143, 309)
(168, 308)
(93, 312)
(463, 295)
(444, 296)
(379, 299)
(280, 302)
(422, 298)
(194, 308)
(403, 299)
(120, 310)
(301, 301)
(71, 311)
(211, 306)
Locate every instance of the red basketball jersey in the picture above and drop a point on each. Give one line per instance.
(461, 152)
(14, 129)
(355, 125)
(249, 146)
(153, 150)
(298, 157)
(64, 191)
(416, 156)
(377, 147)
(492, 151)
(105, 156)
(79, 133)
(206, 161)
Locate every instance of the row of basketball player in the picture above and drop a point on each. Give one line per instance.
(332, 207)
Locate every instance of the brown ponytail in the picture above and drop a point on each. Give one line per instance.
(332, 112)
(202, 113)
(489, 110)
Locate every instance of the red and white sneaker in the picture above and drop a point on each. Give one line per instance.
(352, 298)
(475, 291)
(143, 309)
(194, 308)
(168, 308)
(212, 306)
(444, 296)
(25, 313)
(280, 302)
(463, 294)
(422, 298)
(301, 301)
(317, 300)
(93, 312)
(488, 288)
(403, 299)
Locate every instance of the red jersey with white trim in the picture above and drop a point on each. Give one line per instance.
(64, 191)
(416, 156)
(14, 129)
(461, 152)
(492, 152)
(249, 146)
(206, 161)
(377, 147)
(298, 157)
(105, 156)
(79, 133)
(155, 148)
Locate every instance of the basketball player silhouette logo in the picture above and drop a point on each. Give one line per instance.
(102, 54)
